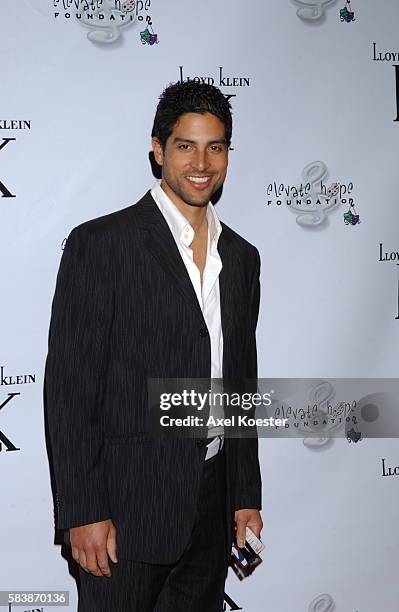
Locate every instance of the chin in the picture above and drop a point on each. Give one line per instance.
(199, 200)
(193, 202)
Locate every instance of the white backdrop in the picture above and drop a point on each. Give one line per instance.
(307, 87)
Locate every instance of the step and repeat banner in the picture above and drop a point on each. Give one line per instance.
(312, 182)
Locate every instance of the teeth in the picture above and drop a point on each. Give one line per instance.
(198, 179)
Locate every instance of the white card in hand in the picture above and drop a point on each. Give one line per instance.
(254, 542)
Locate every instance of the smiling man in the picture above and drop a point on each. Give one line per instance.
(160, 289)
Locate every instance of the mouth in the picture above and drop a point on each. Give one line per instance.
(199, 182)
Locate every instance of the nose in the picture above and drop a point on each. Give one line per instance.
(200, 160)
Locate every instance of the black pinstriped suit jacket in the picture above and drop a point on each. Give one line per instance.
(124, 309)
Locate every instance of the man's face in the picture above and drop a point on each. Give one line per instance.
(194, 161)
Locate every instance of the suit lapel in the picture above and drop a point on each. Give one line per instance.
(230, 297)
(227, 280)
(160, 243)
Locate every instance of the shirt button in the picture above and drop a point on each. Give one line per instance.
(203, 332)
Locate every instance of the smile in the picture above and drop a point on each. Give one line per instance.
(199, 179)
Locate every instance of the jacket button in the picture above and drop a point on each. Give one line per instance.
(200, 443)
(203, 332)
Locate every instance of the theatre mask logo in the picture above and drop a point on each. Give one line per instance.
(312, 10)
(392, 58)
(354, 436)
(346, 14)
(314, 198)
(105, 19)
(148, 36)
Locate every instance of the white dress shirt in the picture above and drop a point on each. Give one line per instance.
(209, 295)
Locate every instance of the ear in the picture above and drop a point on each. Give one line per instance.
(158, 151)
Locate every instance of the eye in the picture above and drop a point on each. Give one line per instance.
(184, 146)
(216, 148)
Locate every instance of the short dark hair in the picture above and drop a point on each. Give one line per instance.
(190, 97)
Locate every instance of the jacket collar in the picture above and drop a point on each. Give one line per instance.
(177, 222)
(159, 242)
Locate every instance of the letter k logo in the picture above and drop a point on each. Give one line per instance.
(3, 439)
(6, 193)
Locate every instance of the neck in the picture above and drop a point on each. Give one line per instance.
(195, 215)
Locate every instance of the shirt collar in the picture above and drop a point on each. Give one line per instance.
(181, 229)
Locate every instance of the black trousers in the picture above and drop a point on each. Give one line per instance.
(195, 582)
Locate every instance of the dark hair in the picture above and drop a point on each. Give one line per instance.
(190, 97)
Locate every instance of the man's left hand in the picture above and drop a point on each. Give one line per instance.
(247, 518)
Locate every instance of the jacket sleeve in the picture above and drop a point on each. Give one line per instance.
(74, 378)
(249, 484)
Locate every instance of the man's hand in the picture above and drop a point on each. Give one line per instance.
(247, 518)
(91, 544)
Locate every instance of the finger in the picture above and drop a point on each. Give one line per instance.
(241, 533)
(102, 562)
(91, 563)
(75, 553)
(82, 559)
(256, 527)
(111, 545)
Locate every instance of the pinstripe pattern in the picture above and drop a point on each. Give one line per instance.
(124, 309)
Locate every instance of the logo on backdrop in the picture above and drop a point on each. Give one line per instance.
(322, 603)
(105, 19)
(389, 470)
(5, 443)
(220, 78)
(14, 124)
(386, 255)
(354, 436)
(7, 400)
(346, 14)
(148, 36)
(313, 199)
(321, 411)
(17, 379)
(333, 416)
(5, 191)
(312, 10)
(389, 56)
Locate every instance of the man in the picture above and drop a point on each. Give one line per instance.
(160, 289)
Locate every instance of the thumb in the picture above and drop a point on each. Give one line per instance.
(111, 545)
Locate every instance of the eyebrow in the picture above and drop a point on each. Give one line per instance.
(187, 140)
